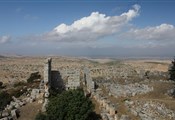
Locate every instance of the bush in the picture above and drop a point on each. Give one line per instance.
(69, 105)
(1, 83)
(41, 116)
(5, 99)
(172, 70)
(33, 77)
(19, 84)
(18, 92)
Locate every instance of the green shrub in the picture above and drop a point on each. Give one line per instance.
(19, 84)
(33, 77)
(1, 83)
(2, 86)
(5, 99)
(41, 116)
(18, 92)
(69, 105)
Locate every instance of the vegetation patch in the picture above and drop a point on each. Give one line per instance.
(161, 63)
(69, 105)
(111, 63)
(5, 99)
(18, 84)
(33, 77)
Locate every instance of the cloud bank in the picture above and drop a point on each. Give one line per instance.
(92, 27)
(157, 33)
(4, 39)
(82, 37)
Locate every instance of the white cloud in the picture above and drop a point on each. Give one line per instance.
(132, 13)
(4, 39)
(91, 27)
(156, 33)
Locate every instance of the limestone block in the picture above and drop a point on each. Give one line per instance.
(5, 113)
(14, 114)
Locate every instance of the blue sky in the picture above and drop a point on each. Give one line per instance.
(87, 27)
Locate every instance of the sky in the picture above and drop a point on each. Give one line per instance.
(108, 28)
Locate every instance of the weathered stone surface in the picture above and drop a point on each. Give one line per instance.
(171, 92)
(73, 78)
(149, 110)
(35, 93)
(124, 117)
(128, 90)
(47, 70)
(14, 114)
(45, 105)
(88, 80)
(4, 113)
(104, 117)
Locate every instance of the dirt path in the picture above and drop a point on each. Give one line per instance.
(29, 111)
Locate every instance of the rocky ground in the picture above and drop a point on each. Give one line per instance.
(138, 89)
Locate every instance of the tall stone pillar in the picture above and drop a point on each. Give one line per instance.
(47, 70)
(47, 80)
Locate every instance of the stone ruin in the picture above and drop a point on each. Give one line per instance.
(47, 81)
(128, 90)
(71, 76)
(47, 70)
(73, 79)
(150, 110)
(89, 83)
(171, 70)
(11, 111)
(108, 110)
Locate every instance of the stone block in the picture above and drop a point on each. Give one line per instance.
(14, 114)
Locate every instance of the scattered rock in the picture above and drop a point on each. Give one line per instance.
(5, 118)
(149, 110)
(35, 93)
(128, 90)
(14, 114)
(4, 113)
(171, 92)
(124, 117)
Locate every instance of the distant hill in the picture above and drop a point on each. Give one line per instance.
(9, 55)
(1, 56)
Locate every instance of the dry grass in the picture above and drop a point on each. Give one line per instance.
(29, 111)
(151, 65)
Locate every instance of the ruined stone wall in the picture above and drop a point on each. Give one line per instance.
(88, 80)
(70, 77)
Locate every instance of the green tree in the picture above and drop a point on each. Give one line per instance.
(41, 116)
(69, 105)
